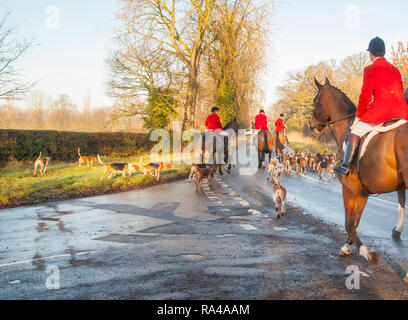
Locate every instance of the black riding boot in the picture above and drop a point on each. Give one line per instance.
(344, 169)
(225, 142)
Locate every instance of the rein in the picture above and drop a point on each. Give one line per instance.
(333, 122)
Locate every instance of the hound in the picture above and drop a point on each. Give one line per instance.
(300, 164)
(279, 198)
(86, 159)
(124, 168)
(193, 173)
(288, 162)
(202, 174)
(271, 168)
(41, 163)
(154, 168)
(326, 166)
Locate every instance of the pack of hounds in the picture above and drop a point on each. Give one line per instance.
(300, 162)
(125, 169)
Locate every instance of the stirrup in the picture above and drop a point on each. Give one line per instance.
(342, 170)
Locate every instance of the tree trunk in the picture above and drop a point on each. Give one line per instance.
(191, 103)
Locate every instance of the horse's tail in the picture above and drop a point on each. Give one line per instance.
(266, 145)
(279, 144)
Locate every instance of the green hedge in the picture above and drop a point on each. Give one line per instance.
(26, 145)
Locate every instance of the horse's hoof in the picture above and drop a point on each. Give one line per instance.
(345, 254)
(396, 235)
(374, 258)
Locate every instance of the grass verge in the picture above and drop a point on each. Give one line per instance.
(64, 181)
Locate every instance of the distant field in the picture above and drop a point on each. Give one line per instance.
(19, 187)
(297, 141)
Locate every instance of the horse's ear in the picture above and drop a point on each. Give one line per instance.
(327, 81)
(318, 85)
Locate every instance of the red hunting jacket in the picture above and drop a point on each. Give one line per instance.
(382, 97)
(213, 122)
(279, 125)
(261, 122)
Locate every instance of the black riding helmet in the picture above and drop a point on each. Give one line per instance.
(377, 47)
(215, 109)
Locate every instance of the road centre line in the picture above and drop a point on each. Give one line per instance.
(45, 258)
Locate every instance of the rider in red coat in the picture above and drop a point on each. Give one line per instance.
(383, 82)
(261, 121)
(280, 126)
(381, 100)
(213, 121)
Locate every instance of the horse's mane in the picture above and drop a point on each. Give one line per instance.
(346, 99)
(229, 123)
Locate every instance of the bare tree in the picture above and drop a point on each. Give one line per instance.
(61, 112)
(39, 105)
(158, 31)
(11, 85)
(399, 58)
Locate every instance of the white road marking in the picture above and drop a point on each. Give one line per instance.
(45, 258)
(252, 211)
(244, 203)
(310, 178)
(385, 201)
(248, 227)
(280, 229)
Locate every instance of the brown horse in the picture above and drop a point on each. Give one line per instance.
(279, 140)
(383, 168)
(233, 125)
(265, 146)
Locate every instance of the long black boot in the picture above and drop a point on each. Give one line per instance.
(344, 169)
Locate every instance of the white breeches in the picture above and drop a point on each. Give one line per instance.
(362, 128)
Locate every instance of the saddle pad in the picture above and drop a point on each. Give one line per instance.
(381, 128)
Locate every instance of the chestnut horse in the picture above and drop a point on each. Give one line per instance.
(265, 146)
(382, 169)
(279, 140)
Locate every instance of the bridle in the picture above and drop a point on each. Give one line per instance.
(317, 124)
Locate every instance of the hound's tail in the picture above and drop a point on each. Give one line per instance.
(79, 154)
(276, 182)
(100, 161)
(39, 157)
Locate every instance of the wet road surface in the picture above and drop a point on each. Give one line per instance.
(169, 242)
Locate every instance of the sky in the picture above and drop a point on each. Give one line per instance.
(70, 53)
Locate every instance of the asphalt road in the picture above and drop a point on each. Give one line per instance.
(169, 242)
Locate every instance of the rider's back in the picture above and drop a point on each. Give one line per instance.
(383, 82)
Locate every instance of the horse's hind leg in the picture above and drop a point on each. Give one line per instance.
(354, 204)
(396, 232)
